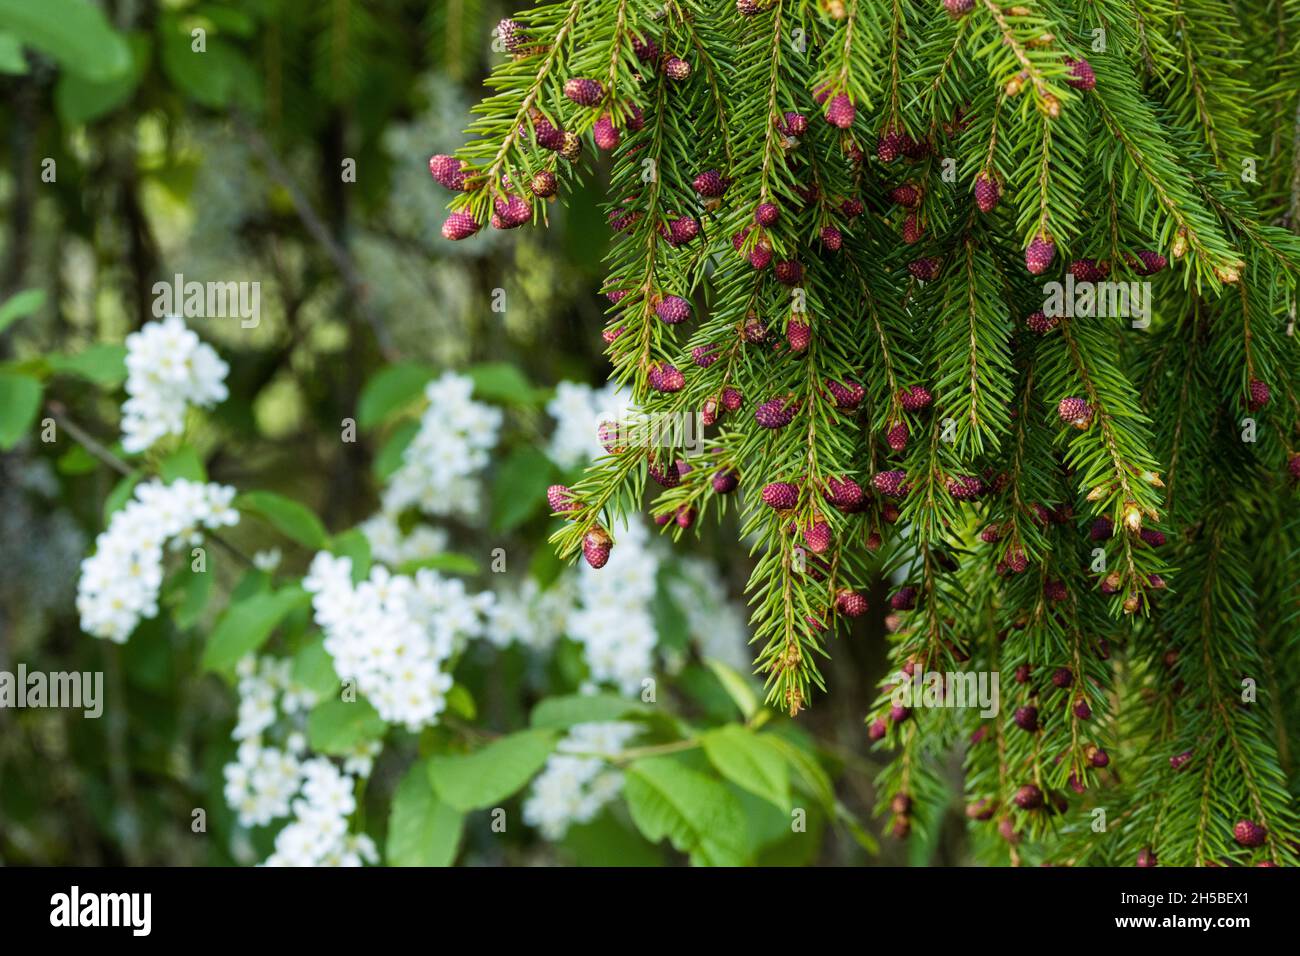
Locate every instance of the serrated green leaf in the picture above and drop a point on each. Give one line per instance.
(608, 841)
(750, 761)
(246, 625)
(338, 727)
(490, 775)
(289, 517)
(694, 812)
(737, 687)
(422, 830)
(563, 712)
(814, 776)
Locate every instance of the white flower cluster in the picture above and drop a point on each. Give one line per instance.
(573, 788)
(389, 546)
(578, 411)
(266, 687)
(168, 369)
(266, 782)
(612, 620)
(440, 465)
(260, 784)
(392, 633)
(716, 624)
(606, 611)
(119, 583)
(530, 616)
(318, 833)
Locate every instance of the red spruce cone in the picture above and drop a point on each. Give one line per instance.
(596, 545)
(840, 111)
(1081, 75)
(987, 193)
(850, 603)
(844, 494)
(1249, 833)
(1039, 255)
(459, 225)
(584, 92)
(780, 495)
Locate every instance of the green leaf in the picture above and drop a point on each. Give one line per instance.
(76, 461)
(546, 567)
(103, 364)
(671, 623)
(185, 463)
(607, 841)
(20, 305)
(861, 835)
(764, 822)
(20, 401)
(488, 776)
(694, 812)
(794, 848)
(738, 688)
(80, 100)
(338, 726)
(449, 562)
(196, 588)
(290, 518)
(246, 625)
(502, 382)
(229, 21)
(749, 761)
(252, 582)
(74, 33)
(519, 487)
(389, 458)
(561, 713)
(313, 668)
(355, 545)
(12, 61)
(422, 830)
(815, 778)
(121, 494)
(390, 389)
(461, 702)
(214, 77)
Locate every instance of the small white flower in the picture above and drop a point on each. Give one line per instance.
(119, 583)
(267, 561)
(168, 370)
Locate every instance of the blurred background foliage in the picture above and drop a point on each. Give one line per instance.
(126, 160)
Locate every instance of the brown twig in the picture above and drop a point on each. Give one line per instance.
(316, 228)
